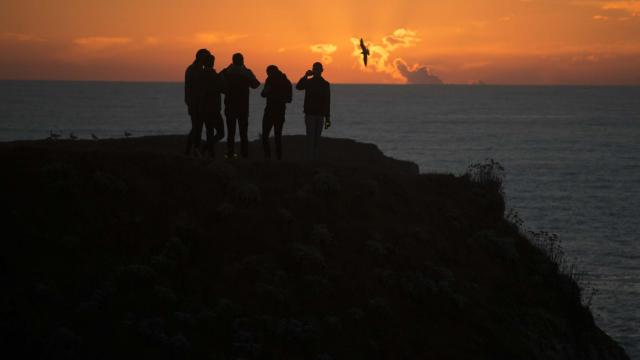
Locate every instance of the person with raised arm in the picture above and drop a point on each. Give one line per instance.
(317, 105)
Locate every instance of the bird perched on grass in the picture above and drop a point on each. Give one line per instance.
(365, 52)
(127, 134)
(53, 135)
(73, 136)
(94, 137)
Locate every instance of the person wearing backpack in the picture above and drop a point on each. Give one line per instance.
(278, 92)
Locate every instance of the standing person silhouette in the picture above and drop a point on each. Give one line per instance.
(277, 90)
(194, 97)
(317, 104)
(236, 103)
(214, 85)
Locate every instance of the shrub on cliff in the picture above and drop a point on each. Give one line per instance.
(489, 172)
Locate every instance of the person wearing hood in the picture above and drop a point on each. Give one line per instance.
(239, 80)
(278, 92)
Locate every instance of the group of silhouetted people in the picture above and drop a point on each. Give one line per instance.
(204, 88)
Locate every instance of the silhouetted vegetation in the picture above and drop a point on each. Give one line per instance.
(489, 172)
(572, 281)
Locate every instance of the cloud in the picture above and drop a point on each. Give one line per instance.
(416, 74)
(152, 40)
(9, 36)
(207, 38)
(476, 65)
(632, 7)
(88, 48)
(400, 38)
(480, 24)
(381, 54)
(97, 43)
(585, 58)
(326, 50)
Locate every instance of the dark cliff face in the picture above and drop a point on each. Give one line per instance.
(119, 249)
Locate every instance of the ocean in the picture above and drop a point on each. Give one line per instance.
(571, 154)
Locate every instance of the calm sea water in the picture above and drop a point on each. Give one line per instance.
(572, 154)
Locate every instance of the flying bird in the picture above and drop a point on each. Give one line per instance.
(73, 136)
(365, 52)
(127, 134)
(94, 137)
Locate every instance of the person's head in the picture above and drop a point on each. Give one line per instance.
(237, 59)
(272, 70)
(317, 69)
(209, 61)
(201, 56)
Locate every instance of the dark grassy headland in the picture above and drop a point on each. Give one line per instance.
(125, 249)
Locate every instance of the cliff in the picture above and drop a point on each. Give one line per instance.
(124, 248)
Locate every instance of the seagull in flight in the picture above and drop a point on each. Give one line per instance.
(73, 136)
(94, 137)
(365, 52)
(127, 134)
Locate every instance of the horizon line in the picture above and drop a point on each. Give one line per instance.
(334, 83)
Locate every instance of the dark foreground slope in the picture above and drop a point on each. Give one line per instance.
(122, 249)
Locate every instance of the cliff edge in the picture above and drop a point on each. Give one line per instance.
(126, 249)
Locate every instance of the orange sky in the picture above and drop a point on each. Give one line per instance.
(495, 41)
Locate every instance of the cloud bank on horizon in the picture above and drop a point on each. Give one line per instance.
(416, 74)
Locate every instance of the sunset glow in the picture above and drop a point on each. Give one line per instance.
(493, 41)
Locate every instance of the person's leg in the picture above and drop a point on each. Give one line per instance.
(267, 123)
(243, 125)
(218, 126)
(308, 122)
(208, 123)
(187, 151)
(277, 131)
(196, 132)
(231, 133)
(317, 132)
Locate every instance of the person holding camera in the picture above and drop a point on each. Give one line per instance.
(317, 104)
